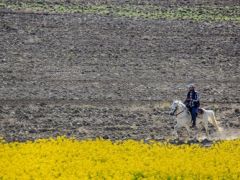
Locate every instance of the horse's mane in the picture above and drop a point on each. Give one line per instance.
(180, 102)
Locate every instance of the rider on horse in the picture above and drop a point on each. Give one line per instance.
(192, 102)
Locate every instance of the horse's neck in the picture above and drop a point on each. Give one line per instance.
(183, 111)
(181, 106)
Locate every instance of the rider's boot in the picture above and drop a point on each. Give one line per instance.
(193, 126)
(193, 123)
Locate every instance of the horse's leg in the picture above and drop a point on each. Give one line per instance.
(175, 130)
(188, 131)
(195, 133)
(199, 128)
(206, 128)
(196, 130)
(214, 121)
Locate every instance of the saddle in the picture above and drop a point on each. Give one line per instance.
(200, 111)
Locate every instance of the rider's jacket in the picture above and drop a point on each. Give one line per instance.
(192, 99)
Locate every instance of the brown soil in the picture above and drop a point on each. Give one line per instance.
(100, 76)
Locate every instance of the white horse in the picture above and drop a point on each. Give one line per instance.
(183, 118)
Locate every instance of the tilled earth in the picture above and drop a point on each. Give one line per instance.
(93, 76)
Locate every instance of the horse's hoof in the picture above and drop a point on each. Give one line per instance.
(193, 141)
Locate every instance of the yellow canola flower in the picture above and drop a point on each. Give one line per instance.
(64, 158)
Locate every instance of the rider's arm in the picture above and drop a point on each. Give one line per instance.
(197, 97)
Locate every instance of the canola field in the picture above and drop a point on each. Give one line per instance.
(65, 158)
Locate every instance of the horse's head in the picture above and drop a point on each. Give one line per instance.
(175, 106)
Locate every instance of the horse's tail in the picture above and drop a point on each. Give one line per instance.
(214, 121)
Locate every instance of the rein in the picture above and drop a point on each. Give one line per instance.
(180, 113)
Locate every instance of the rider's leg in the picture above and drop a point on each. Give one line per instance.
(194, 116)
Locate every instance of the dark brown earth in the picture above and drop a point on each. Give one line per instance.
(162, 3)
(113, 77)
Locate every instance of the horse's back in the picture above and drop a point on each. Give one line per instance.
(204, 113)
(207, 111)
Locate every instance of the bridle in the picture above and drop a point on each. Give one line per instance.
(175, 110)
